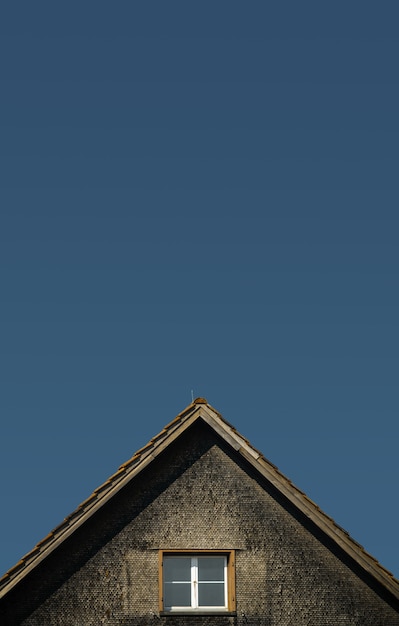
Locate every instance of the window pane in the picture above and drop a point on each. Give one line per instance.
(211, 568)
(211, 594)
(177, 594)
(177, 568)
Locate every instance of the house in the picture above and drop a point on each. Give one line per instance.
(198, 528)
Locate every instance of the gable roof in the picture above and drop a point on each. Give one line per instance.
(198, 409)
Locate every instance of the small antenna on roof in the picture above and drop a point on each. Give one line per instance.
(192, 395)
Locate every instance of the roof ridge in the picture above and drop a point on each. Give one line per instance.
(144, 455)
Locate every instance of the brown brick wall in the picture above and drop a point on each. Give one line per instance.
(198, 497)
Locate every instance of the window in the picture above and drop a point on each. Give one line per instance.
(198, 581)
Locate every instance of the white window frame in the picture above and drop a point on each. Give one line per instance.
(229, 582)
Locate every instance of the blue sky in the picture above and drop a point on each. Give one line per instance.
(199, 198)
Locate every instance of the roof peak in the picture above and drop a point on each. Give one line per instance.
(200, 401)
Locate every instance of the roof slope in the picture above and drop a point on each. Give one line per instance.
(199, 409)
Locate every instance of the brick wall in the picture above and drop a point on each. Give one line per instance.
(197, 496)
